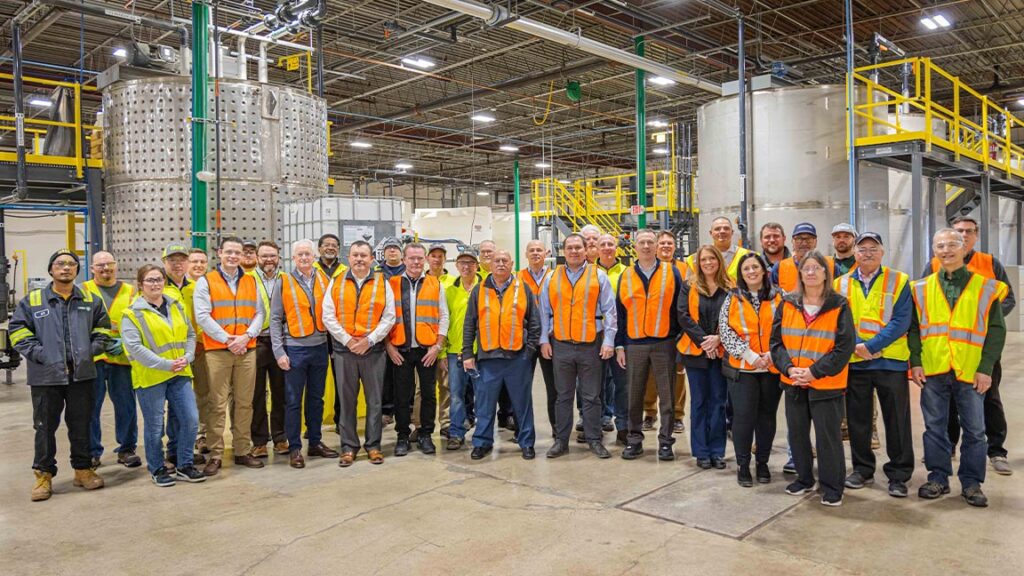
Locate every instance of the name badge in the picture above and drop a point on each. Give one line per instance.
(41, 314)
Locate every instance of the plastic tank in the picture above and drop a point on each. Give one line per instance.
(273, 149)
(796, 163)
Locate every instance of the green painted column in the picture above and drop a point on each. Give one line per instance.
(515, 183)
(200, 79)
(641, 136)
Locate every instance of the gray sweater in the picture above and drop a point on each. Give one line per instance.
(136, 347)
(279, 336)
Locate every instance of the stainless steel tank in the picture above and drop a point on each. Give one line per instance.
(273, 148)
(796, 163)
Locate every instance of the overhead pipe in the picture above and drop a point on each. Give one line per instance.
(21, 171)
(850, 126)
(641, 138)
(742, 80)
(498, 14)
(32, 33)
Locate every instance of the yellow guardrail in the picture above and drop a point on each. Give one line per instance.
(78, 161)
(955, 117)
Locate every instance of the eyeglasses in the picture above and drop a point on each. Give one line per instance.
(812, 269)
(153, 281)
(65, 263)
(868, 251)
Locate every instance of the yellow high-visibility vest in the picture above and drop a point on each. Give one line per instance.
(872, 312)
(123, 299)
(165, 338)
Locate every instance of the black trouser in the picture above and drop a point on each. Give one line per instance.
(547, 370)
(755, 405)
(823, 408)
(643, 360)
(387, 402)
(995, 418)
(894, 397)
(505, 406)
(266, 366)
(405, 390)
(75, 400)
(578, 370)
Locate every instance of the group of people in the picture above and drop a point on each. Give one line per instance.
(827, 333)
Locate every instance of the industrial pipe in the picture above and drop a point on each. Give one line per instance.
(200, 77)
(741, 69)
(515, 192)
(261, 68)
(21, 171)
(641, 137)
(243, 63)
(850, 126)
(498, 14)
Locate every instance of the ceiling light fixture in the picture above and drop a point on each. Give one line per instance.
(403, 166)
(1021, 101)
(941, 21)
(508, 148)
(40, 102)
(659, 150)
(929, 23)
(542, 165)
(482, 117)
(662, 81)
(483, 193)
(418, 62)
(360, 144)
(657, 124)
(120, 53)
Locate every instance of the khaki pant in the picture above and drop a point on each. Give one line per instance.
(230, 376)
(444, 399)
(201, 387)
(651, 395)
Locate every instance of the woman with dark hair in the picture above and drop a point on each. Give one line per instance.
(700, 302)
(813, 337)
(745, 325)
(161, 344)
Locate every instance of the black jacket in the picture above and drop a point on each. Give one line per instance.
(707, 325)
(471, 332)
(37, 333)
(836, 359)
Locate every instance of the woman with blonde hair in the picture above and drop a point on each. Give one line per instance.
(700, 303)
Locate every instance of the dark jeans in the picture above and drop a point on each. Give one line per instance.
(615, 394)
(578, 369)
(547, 370)
(938, 392)
(824, 409)
(405, 389)
(755, 404)
(514, 376)
(894, 397)
(307, 374)
(642, 360)
(115, 380)
(707, 410)
(995, 418)
(48, 402)
(505, 406)
(387, 405)
(266, 366)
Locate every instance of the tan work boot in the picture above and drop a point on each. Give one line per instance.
(88, 479)
(44, 486)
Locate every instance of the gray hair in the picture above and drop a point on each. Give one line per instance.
(951, 231)
(590, 229)
(303, 242)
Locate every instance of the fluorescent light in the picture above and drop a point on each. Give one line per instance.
(483, 193)
(482, 117)
(941, 20)
(564, 181)
(657, 124)
(929, 23)
(418, 62)
(659, 150)
(40, 102)
(120, 53)
(542, 165)
(360, 144)
(508, 148)
(662, 81)
(403, 166)
(1021, 101)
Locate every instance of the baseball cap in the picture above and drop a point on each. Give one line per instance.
(844, 227)
(249, 243)
(805, 228)
(173, 249)
(870, 236)
(470, 252)
(437, 246)
(391, 242)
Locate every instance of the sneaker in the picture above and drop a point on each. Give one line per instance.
(718, 463)
(190, 474)
(789, 467)
(579, 425)
(832, 500)
(704, 463)
(162, 479)
(665, 453)
(856, 481)
(897, 489)
(1000, 465)
(401, 447)
(678, 427)
(932, 490)
(129, 459)
(798, 489)
(633, 451)
(648, 423)
(975, 497)
(764, 475)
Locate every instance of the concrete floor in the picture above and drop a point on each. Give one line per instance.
(445, 514)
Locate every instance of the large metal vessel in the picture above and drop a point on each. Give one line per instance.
(273, 148)
(796, 163)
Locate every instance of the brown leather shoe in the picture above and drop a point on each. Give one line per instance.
(259, 451)
(87, 479)
(281, 447)
(248, 460)
(295, 459)
(321, 450)
(212, 467)
(376, 457)
(347, 459)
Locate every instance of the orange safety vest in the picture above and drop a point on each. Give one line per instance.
(789, 275)
(574, 306)
(686, 345)
(980, 263)
(532, 284)
(501, 319)
(648, 310)
(303, 318)
(684, 269)
(428, 310)
(753, 326)
(360, 311)
(232, 311)
(808, 343)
